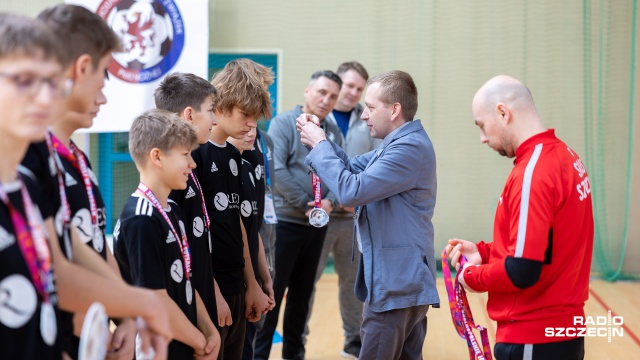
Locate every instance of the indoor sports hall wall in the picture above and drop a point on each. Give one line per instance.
(578, 58)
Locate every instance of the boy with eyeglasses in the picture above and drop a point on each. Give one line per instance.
(74, 200)
(31, 83)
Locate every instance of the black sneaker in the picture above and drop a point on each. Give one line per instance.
(351, 350)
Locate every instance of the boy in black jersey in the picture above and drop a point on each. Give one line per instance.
(193, 99)
(242, 99)
(249, 209)
(261, 159)
(88, 44)
(30, 82)
(150, 239)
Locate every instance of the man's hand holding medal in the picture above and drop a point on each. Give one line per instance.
(311, 134)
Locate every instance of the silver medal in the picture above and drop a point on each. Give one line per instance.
(318, 217)
(189, 292)
(98, 239)
(210, 245)
(93, 337)
(48, 326)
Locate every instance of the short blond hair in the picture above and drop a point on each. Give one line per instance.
(159, 129)
(243, 83)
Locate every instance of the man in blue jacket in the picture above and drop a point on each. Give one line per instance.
(394, 189)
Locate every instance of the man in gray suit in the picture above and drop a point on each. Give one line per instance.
(356, 140)
(298, 244)
(393, 187)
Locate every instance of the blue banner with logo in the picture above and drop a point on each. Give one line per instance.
(159, 37)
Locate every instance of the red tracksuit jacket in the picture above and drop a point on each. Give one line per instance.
(544, 218)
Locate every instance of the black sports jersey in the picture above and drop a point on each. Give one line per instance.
(42, 167)
(38, 164)
(190, 201)
(255, 157)
(149, 256)
(20, 303)
(79, 205)
(218, 170)
(249, 212)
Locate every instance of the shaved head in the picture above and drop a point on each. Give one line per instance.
(506, 90)
(504, 111)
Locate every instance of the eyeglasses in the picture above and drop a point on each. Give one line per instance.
(30, 84)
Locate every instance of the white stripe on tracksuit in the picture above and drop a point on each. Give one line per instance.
(524, 202)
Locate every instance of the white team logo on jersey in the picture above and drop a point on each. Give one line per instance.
(176, 271)
(69, 180)
(98, 239)
(6, 239)
(221, 201)
(18, 301)
(214, 168)
(233, 165)
(190, 193)
(245, 208)
(82, 222)
(198, 226)
(259, 172)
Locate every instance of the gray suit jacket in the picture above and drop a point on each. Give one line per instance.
(395, 189)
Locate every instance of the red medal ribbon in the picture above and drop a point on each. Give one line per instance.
(317, 190)
(32, 242)
(66, 210)
(461, 313)
(184, 244)
(79, 162)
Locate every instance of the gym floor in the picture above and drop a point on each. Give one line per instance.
(442, 342)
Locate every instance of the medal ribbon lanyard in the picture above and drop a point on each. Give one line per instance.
(317, 190)
(32, 242)
(184, 244)
(204, 206)
(266, 162)
(79, 162)
(66, 210)
(461, 313)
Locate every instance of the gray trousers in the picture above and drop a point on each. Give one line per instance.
(339, 242)
(395, 334)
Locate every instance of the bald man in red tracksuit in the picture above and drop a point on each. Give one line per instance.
(536, 270)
